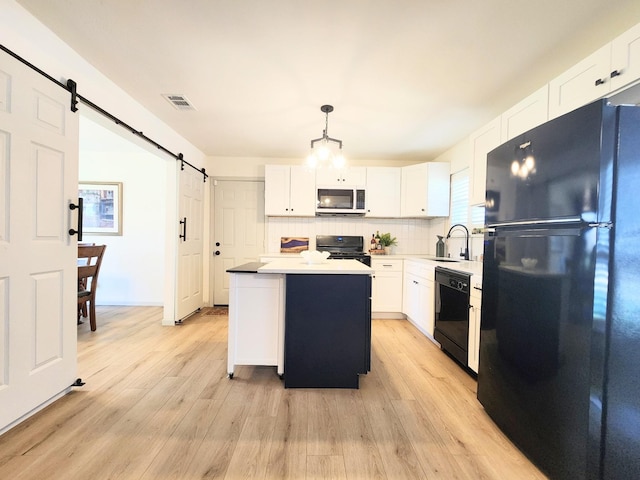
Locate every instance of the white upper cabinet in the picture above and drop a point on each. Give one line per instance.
(607, 70)
(425, 190)
(289, 191)
(528, 113)
(343, 177)
(383, 191)
(482, 142)
(581, 84)
(625, 58)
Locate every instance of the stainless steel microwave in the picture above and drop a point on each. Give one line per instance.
(340, 201)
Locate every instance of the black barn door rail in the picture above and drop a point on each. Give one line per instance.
(71, 87)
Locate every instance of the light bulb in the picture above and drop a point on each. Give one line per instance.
(338, 161)
(323, 153)
(515, 167)
(312, 160)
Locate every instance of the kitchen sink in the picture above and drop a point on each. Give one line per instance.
(444, 259)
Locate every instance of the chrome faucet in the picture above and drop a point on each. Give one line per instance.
(466, 249)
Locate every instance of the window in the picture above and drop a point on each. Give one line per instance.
(477, 216)
(460, 197)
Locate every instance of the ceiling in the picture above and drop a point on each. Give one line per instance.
(407, 78)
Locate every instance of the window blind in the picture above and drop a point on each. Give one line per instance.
(460, 198)
(477, 215)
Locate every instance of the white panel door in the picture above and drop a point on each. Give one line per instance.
(238, 230)
(38, 274)
(190, 243)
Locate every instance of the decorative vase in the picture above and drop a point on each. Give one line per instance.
(387, 250)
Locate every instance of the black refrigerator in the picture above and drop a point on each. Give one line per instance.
(559, 365)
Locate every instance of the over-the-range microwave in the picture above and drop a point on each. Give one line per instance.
(336, 201)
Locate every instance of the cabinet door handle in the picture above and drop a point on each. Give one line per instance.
(615, 73)
(599, 81)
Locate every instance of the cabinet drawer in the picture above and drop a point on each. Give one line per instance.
(419, 269)
(390, 265)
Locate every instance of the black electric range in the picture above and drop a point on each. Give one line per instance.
(343, 247)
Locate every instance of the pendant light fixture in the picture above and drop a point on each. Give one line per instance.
(326, 151)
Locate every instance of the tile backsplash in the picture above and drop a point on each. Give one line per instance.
(415, 236)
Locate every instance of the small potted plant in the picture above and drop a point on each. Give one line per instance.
(386, 240)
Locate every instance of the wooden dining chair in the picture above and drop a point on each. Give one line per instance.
(89, 262)
(82, 309)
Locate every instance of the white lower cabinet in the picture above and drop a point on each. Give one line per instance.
(256, 320)
(418, 295)
(474, 328)
(386, 285)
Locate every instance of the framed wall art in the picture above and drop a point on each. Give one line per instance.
(102, 209)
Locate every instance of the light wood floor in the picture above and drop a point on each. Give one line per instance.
(157, 405)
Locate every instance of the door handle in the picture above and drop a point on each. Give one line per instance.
(184, 229)
(79, 227)
(217, 252)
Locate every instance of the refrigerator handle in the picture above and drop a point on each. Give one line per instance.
(602, 225)
(534, 223)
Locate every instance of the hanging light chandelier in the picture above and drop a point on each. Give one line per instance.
(325, 152)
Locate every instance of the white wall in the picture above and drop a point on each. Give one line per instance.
(30, 39)
(133, 269)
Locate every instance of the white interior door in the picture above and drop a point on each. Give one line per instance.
(191, 216)
(238, 230)
(38, 274)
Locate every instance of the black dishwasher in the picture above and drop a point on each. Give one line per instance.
(452, 312)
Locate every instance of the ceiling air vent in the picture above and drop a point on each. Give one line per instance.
(180, 102)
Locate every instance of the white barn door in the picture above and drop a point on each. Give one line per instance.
(190, 241)
(38, 273)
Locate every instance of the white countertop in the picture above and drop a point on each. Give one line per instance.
(467, 266)
(328, 267)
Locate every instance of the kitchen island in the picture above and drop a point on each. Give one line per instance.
(327, 320)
